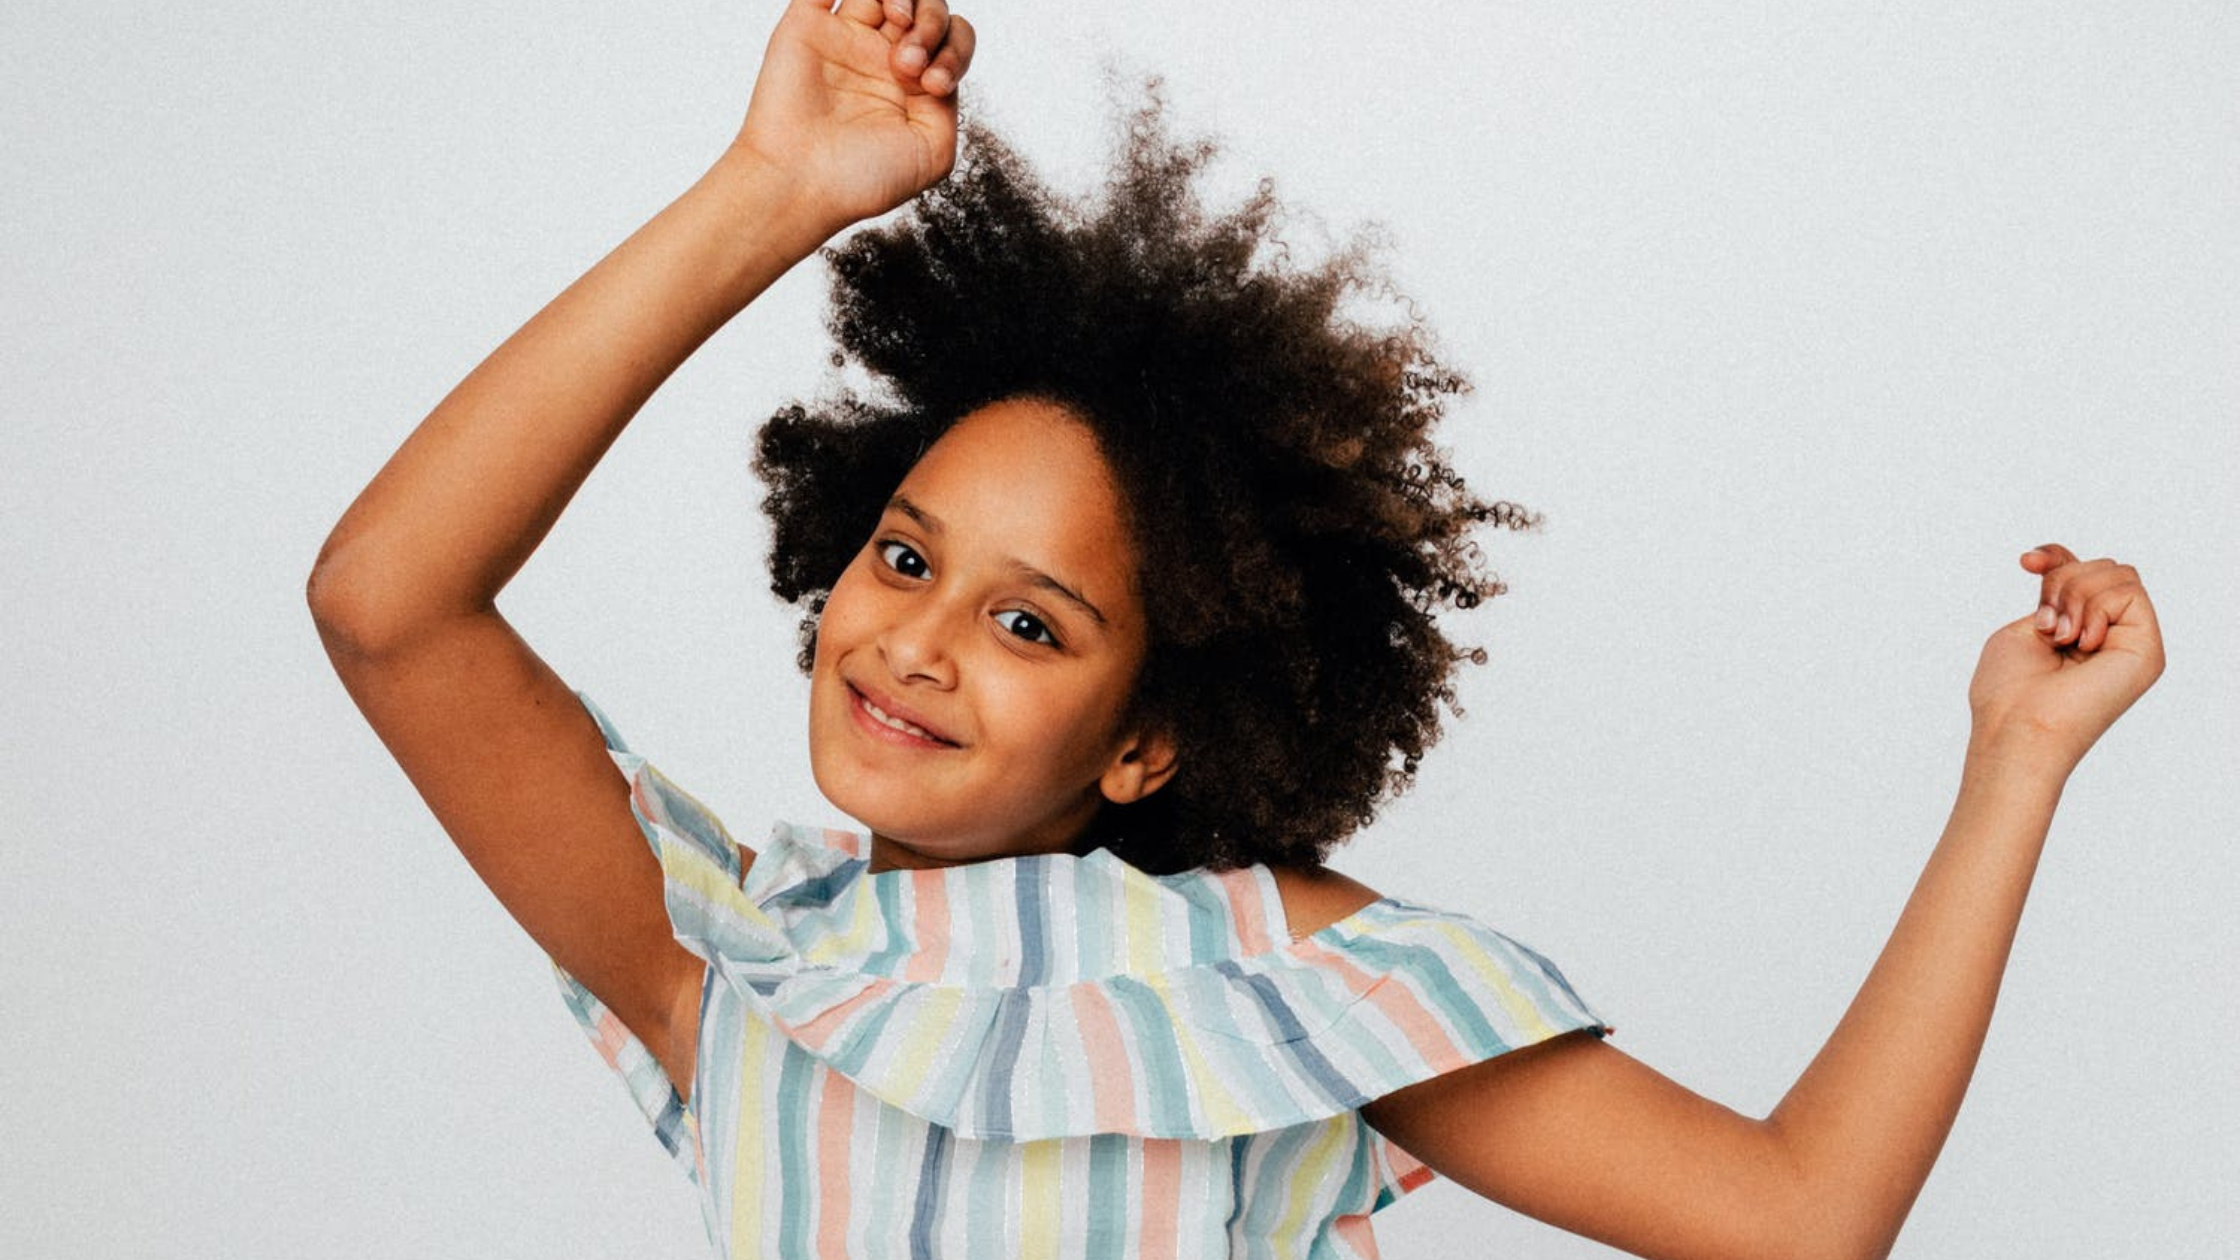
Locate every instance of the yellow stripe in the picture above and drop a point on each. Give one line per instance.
(1038, 1200)
(928, 1022)
(855, 941)
(1312, 1168)
(1221, 1108)
(748, 1182)
(1520, 1007)
(683, 863)
(1144, 945)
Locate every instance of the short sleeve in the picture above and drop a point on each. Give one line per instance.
(695, 854)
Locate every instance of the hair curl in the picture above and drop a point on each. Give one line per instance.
(1296, 528)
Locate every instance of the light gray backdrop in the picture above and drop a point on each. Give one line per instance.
(1798, 322)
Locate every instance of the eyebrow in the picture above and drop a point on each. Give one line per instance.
(932, 525)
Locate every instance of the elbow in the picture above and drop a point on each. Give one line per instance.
(355, 622)
(337, 613)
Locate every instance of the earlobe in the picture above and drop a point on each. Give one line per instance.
(1142, 766)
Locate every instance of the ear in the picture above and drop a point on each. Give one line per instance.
(1144, 763)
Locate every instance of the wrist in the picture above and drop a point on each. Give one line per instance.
(770, 204)
(2021, 759)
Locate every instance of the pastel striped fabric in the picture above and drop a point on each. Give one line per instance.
(1047, 1055)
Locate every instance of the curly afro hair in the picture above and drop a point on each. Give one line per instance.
(1296, 529)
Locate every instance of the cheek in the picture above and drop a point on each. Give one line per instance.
(1069, 723)
(844, 609)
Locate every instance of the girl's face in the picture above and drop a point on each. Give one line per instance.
(973, 660)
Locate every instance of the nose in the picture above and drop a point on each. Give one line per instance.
(916, 644)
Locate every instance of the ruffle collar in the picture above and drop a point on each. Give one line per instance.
(1055, 995)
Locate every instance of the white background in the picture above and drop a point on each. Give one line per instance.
(1799, 323)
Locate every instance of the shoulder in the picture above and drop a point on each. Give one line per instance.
(1314, 897)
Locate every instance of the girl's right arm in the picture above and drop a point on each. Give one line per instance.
(853, 112)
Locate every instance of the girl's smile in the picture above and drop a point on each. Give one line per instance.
(888, 719)
(975, 660)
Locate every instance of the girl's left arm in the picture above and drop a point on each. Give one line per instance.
(1576, 1133)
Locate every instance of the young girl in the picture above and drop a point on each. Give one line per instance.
(1119, 615)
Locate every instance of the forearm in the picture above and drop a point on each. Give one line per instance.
(1866, 1120)
(462, 504)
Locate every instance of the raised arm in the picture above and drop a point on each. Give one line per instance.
(852, 113)
(1576, 1133)
(839, 128)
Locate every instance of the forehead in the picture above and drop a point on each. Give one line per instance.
(1026, 478)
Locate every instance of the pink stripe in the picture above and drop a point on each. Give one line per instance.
(1408, 1172)
(1420, 1027)
(835, 1132)
(931, 925)
(1399, 1006)
(1111, 1077)
(845, 841)
(814, 1033)
(1358, 1237)
(1162, 1187)
(1247, 908)
(612, 1037)
(1314, 953)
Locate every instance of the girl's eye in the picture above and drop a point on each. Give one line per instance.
(1027, 626)
(903, 560)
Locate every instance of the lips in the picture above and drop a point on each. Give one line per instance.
(887, 716)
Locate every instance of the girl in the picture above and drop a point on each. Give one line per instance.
(1119, 613)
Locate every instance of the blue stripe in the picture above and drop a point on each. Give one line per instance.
(863, 1040)
(1238, 1149)
(1211, 926)
(1265, 1199)
(795, 1177)
(817, 890)
(1002, 1056)
(974, 1025)
(1360, 1167)
(1092, 922)
(1341, 1092)
(890, 957)
(987, 1198)
(1027, 889)
(1561, 994)
(933, 1178)
(1424, 962)
(1110, 1155)
(1165, 1082)
(607, 731)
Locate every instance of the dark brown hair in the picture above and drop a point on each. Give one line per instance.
(1296, 528)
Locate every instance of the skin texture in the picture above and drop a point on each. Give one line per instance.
(847, 121)
(952, 613)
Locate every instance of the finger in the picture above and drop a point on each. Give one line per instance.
(929, 22)
(2077, 586)
(2055, 595)
(2095, 631)
(2107, 607)
(866, 12)
(953, 60)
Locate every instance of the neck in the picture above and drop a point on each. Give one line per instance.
(890, 854)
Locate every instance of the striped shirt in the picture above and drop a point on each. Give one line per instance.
(1045, 1055)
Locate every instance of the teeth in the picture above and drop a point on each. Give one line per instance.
(895, 722)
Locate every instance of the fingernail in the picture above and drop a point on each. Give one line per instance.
(937, 80)
(912, 56)
(2045, 616)
(2062, 631)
